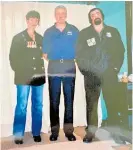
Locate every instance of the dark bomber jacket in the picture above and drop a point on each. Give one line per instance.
(98, 53)
(26, 59)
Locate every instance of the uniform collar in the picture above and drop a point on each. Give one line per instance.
(104, 27)
(27, 35)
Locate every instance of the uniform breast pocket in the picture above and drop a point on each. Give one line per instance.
(109, 44)
(70, 38)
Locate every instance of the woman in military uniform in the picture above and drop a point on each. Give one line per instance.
(28, 66)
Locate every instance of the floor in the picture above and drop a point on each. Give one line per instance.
(7, 142)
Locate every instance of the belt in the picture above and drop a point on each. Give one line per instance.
(63, 60)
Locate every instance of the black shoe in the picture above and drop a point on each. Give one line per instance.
(18, 141)
(37, 138)
(70, 137)
(53, 137)
(88, 138)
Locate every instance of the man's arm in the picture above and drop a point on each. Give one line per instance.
(80, 54)
(118, 61)
(45, 45)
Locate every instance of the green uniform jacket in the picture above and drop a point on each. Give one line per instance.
(99, 53)
(26, 59)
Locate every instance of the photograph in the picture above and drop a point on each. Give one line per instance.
(66, 75)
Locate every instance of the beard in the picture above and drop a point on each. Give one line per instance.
(97, 21)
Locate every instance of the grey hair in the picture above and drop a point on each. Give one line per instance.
(61, 6)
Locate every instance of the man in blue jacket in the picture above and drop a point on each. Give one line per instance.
(59, 49)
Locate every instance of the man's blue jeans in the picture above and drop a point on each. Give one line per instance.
(21, 109)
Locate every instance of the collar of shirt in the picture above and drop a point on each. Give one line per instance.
(66, 29)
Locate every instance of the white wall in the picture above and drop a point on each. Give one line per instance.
(13, 22)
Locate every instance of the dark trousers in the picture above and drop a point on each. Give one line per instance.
(114, 94)
(67, 78)
(92, 89)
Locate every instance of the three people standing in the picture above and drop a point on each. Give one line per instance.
(98, 57)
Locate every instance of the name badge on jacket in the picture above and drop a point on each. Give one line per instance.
(31, 44)
(69, 33)
(91, 42)
(108, 34)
